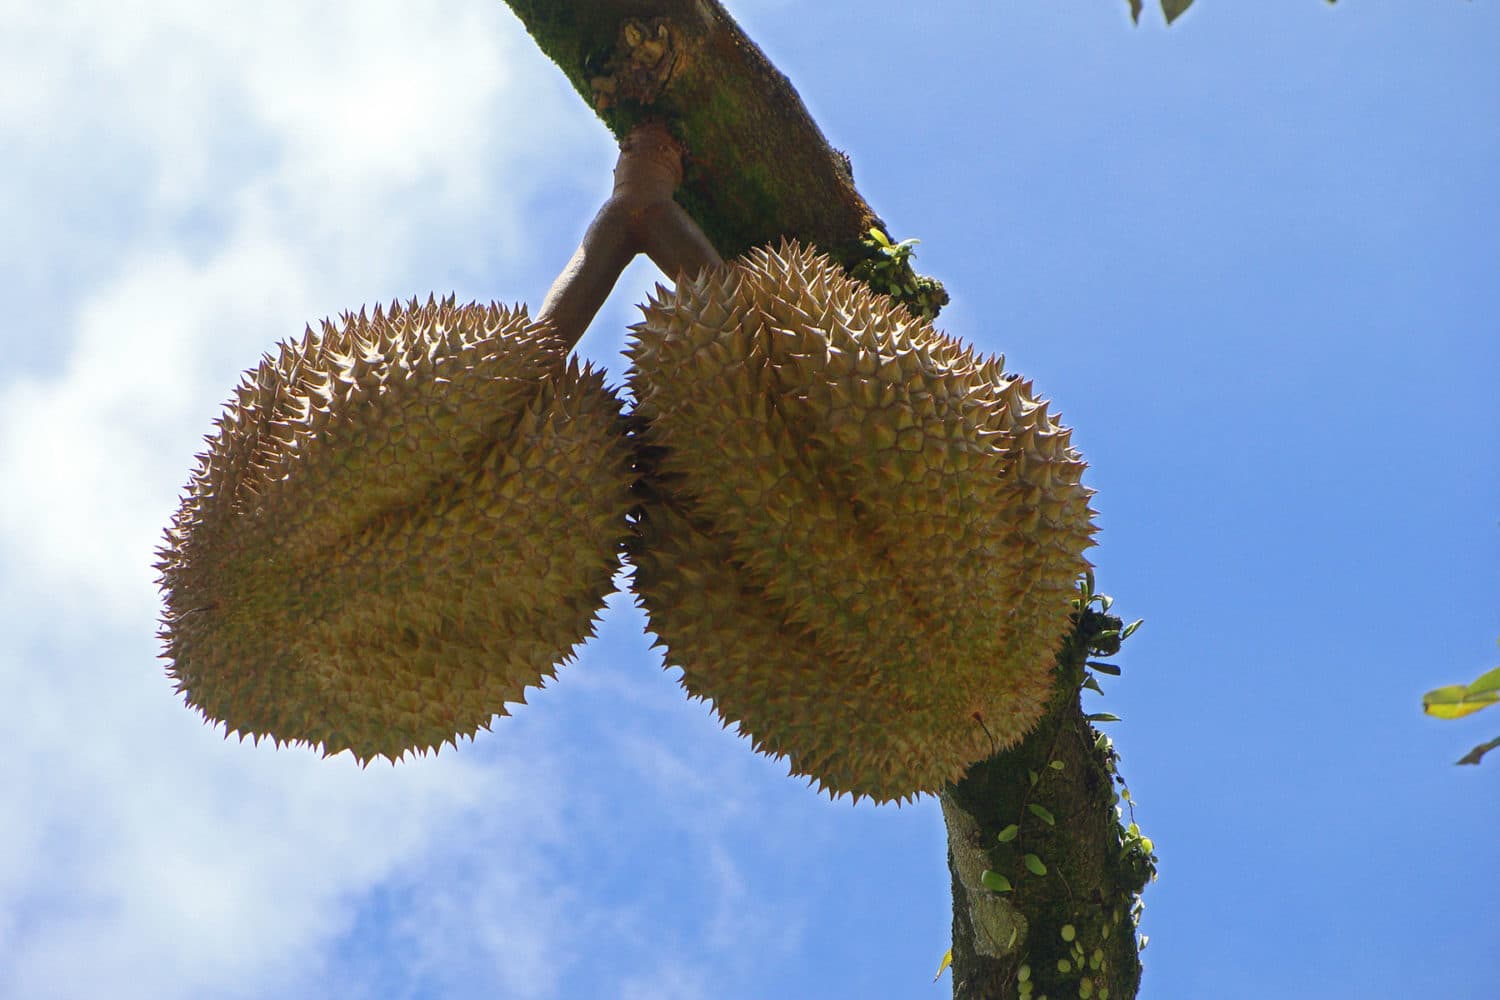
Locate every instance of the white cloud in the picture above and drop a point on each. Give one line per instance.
(188, 183)
(98, 451)
(148, 857)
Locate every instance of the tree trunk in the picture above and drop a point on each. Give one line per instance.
(1065, 928)
(758, 169)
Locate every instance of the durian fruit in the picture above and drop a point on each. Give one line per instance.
(859, 541)
(403, 521)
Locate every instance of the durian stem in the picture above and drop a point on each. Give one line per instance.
(639, 217)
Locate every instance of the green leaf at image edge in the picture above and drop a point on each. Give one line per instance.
(1454, 701)
(1486, 683)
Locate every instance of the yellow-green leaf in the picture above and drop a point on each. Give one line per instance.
(1454, 701)
(947, 961)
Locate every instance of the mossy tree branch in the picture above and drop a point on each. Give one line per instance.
(756, 169)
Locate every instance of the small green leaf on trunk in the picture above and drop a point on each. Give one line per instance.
(995, 882)
(1042, 813)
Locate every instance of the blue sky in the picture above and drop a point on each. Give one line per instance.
(1250, 259)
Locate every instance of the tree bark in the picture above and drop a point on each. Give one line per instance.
(757, 166)
(757, 169)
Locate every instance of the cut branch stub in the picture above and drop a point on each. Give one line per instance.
(645, 57)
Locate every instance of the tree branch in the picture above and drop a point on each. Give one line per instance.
(758, 168)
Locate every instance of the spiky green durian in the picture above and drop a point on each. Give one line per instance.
(403, 521)
(861, 540)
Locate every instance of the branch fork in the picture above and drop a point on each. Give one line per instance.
(640, 216)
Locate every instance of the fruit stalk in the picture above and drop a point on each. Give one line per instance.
(639, 217)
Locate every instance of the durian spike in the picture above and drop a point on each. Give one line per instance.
(639, 217)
